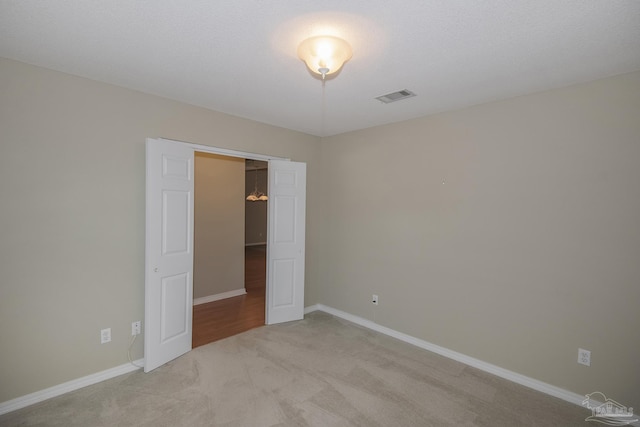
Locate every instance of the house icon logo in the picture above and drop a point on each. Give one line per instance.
(607, 411)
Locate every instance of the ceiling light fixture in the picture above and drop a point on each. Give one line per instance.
(324, 55)
(256, 195)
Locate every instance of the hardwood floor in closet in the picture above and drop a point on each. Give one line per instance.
(221, 319)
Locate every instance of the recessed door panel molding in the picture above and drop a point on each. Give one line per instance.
(175, 295)
(285, 179)
(284, 275)
(176, 239)
(176, 168)
(285, 219)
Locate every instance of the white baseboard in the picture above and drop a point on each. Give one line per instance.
(312, 308)
(217, 297)
(467, 360)
(48, 393)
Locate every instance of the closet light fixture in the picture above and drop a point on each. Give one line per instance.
(324, 55)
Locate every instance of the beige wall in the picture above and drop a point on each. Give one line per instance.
(509, 232)
(218, 243)
(256, 212)
(72, 168)
(528, 250)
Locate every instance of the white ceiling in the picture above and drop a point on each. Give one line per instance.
(239, 56)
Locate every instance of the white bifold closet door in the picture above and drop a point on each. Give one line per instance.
(169, 246)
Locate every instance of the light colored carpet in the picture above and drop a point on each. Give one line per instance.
(321, 371)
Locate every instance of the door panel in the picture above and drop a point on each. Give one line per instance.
(285, 221)
(174, 318)
(169, 252)
(175, 222)
(286, 241)
(284, 275)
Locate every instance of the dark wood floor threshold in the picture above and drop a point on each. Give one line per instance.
(221, 319)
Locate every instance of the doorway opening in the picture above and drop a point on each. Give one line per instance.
(169, 236)
(230, 246)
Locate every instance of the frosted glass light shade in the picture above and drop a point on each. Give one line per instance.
(324, 55)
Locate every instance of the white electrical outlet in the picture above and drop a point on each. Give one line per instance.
(135, 328)
(584, 357)
(374, 299)
(105, 335)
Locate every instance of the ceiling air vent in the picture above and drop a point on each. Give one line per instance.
(395, 96)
